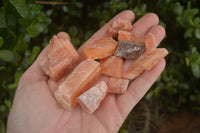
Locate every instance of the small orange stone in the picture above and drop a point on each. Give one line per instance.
(118, 25)
(62, 57)
(133, 71)
(112, 66)
(153, 58)
(68, 91)
(150, 42)
(124, 35)
(144, 62)
(91, 99)
(60, 69)
(116, 85)
(101, 48)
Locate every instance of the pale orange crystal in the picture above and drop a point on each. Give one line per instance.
(124, 35)
(68, 91)
(133, 71)
(118, 25)
(116, 85)
(145, 62)
(62, 57)
(150, 42)
(101, 48)
(112, 66)
(152, 58)
(91, 99)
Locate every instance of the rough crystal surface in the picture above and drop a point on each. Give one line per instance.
(91, 99)
(129, 50)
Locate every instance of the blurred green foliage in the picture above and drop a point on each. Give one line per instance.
(26, 27)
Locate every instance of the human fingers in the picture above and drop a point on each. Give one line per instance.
(144, 24)
(138, 88)
(140, 85)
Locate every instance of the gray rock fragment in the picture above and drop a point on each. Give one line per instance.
(129, 50)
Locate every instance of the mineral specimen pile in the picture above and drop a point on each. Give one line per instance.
(123, 55)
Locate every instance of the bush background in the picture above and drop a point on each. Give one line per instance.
(26, 27)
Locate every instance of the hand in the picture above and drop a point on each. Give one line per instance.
(35, 110)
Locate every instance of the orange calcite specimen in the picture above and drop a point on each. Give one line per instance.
(133, 71)
(150, 42)
(101, 48)
(132, 36)
(68, 91)
(118, 25)
(60, 68)
(124, 35)
(66, 50)
(112, 66)
(116, 85)
(91, 99)
(145, 62)
(62, 57)
(152, 58)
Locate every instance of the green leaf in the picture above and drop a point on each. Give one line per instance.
(7, 103)
(7, 55)
(35, 29)
(35, 52)
(22, 8)
(1, 41)
(162, 24)
(2, 67)
(2, 126)
(21, 46)
(2, 18)
(197, 22)
(197, 33)
(178, 8)
(187, 61)
(189, 33)
(18, 74)
(12, 20)
(195, 69)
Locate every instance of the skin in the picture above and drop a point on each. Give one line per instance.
(35, 110)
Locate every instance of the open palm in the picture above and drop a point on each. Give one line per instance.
(35, 110)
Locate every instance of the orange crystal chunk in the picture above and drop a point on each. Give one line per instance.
(112, 66)
(124, 35)
(152, 58)
(68, 91)
(145, 62)
(62, 57)
(133, 71)
(101, 48)
(91, 99)
(118, 25)
(116, 85)
(150, 42)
